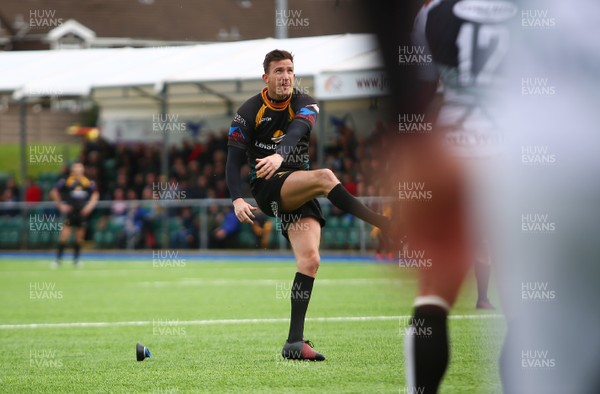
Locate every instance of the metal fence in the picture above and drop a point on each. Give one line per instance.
(37, 225)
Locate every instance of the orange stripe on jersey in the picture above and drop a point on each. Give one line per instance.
(275, 106)
(85, 182)
(259, 115)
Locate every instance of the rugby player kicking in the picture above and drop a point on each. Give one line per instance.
(271, 132)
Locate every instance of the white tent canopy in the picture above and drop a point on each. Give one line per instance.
(200, 83)
(79, 72)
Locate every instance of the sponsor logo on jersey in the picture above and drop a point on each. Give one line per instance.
(307, 114)
(275, 208)
(265, 119)
(277, 136)
(314, 107)
(262, 145)
(235, 134)
(79, 193)
(482, 11)
(238, 119)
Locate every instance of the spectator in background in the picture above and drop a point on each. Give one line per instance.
(261, 228)
(348, 167)
(196, 153)
(151, 212)
(137, 166)
(187, 147)
(349, 184)
(199, 189)
(138, 183)
(219, 169)
(10, 200)
(221, 189)
(11, 185)
(193, 171)
(150, 180)
(187, 236)
(179, 169)
(221, 140)
(122, 181)
(131, 194)
(219, 156)
(92, 164)
(224, 236)
(361, 188)
(118, 208)
(34, 192)
(208, 172)
(131, 236)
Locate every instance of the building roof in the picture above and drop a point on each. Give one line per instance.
(77, 72)
(26, 22)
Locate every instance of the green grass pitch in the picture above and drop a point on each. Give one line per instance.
(219, 327)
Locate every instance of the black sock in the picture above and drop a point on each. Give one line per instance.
(300, 297)
(341, 198)
(482, 274)
(427, 349)
(76, 249)
(61, 249)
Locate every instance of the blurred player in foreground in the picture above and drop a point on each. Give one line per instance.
(462, 43)
(547, 200)
(468, 43)
(76, 197)
(271, 132)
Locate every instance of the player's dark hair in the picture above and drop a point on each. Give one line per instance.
(275, 55)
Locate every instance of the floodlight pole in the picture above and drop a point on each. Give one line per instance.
(281, 8)
(321, 135)
(23, 142)
(164, 165)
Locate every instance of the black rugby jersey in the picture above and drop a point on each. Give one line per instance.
(469, 37)
(76, 192)
(260, 124)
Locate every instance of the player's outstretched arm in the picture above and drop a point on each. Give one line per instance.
(235, 160)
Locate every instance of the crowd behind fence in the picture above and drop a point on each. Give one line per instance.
(174, 223)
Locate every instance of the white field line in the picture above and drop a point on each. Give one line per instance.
(271, 282)
(231, 321)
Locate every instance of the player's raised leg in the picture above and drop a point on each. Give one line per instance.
(302, 186)
(305, 237)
